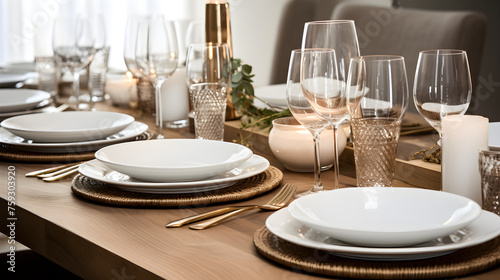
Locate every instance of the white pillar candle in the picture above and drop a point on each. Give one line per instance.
(122, 89)
(463, 137)
(175, 97)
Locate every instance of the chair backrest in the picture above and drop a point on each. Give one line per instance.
(406, 32)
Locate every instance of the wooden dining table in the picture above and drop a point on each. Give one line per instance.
(99, 241)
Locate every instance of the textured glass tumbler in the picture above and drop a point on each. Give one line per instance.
(98, 69)
(209, 106)
(46, 68)
(489, 167)
(375, 149)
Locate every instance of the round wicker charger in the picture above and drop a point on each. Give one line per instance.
(459, 263)
(10, 153)
(105, 193)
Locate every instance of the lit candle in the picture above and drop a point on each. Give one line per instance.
(121, 89)
(463, 137)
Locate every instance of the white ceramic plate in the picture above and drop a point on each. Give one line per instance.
(42, 107)
(14, 100)
(483, 229)
(100, 172)
(385, 217)
(273, 94)
(11, 79)
(494, 136)
(173, 160)
(128, 133)
(67, 126)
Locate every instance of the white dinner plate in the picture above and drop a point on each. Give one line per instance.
(42, 107)
(67, 126)
(100, 172)
(273, 94)
(14, 100)
(11, 79)
(483, 229)
(385, 217)
(494, 136)
(128, 133)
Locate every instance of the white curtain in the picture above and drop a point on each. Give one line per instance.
(26, 25)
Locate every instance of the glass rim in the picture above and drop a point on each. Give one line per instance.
(489, 152)
(306, 50)
(443, 52)
(329, 21)
(379, 58)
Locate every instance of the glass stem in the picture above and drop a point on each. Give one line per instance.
(336, 169)
(76, 88)
(159, 117)
(318, 186)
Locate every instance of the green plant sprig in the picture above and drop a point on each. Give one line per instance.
(243, 96)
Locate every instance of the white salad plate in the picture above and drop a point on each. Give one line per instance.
(100, 172)
(494, 136)
(11, 79)
(273, 94)
(67, 126)
(173, 160)
(14, 100)
(483, 229)
(130, 132)
(385, 217)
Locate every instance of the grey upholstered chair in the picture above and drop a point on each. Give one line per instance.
(385, 30)
(406, 32)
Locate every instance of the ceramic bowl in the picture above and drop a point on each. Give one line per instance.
(385, 217)
(173, 160)
(292, 144)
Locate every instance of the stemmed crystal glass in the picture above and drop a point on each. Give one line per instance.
(303, 112)
(442, 85)
(341, 36)
(208, 69)
(129, 45)
(73, 45)
(156, 56)
(377, 91)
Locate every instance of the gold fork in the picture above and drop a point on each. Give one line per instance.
(55, 173)
(178, 223)
(279, 201)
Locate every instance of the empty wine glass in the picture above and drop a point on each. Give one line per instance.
(129, 45)
(156, 57)
(208, 69)
(73, 45)
(377, 91)
(341, 36)
(325, 92)
(442, 85)
(304, 113)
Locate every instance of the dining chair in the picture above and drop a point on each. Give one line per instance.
(386, 30)
(406, 32)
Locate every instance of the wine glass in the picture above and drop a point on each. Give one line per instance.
(208, 77)
(377, 91)
(442, 85)
(303, 112)
(325, 92)
(129, 45)
(341, 36)
(156, 57)
(73, 45)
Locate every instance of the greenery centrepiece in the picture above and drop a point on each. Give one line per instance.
(242, 96)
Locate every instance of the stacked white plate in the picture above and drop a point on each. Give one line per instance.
(68, 132)
(385, 223)
(14, 102)
(173, 165)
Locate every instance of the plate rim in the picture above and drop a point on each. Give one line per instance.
(485, 218)
(174, 184)
(43, 95)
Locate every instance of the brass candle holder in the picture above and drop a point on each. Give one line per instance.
(218, 30)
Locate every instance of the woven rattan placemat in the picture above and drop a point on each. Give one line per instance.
(459, 263)
(10, 153)
(105, 193)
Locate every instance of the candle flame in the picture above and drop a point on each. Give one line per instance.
(129, 75)
(216, 1)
